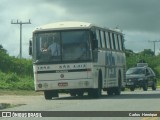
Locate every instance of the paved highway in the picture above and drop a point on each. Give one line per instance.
(138, 100)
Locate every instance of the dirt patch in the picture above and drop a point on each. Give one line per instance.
(18, 100)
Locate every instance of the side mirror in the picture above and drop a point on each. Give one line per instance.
(30, 47)
(95, 44)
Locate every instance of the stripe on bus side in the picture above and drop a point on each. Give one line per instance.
(63, 71)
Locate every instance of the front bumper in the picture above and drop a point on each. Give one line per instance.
(63, 84)
(134, 83)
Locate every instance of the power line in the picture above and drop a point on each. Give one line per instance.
(20, 23)
(154, 44)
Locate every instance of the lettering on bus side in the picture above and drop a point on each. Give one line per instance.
(77, 66)
(64, 66)
(43, 67)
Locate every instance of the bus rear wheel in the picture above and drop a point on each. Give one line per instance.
(110, 91)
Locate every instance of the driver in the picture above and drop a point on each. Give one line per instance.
(54, 48)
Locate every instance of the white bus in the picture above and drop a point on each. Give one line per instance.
(77, 58)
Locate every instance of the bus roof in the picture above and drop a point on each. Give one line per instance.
(65, 25)
(70, 25)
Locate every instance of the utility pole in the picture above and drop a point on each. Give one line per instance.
(154, 44)
(20, 23)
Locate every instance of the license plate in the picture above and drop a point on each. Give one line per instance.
(63, 84)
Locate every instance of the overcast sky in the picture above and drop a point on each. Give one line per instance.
(139, 19)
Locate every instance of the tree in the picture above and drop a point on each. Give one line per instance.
(129, 52)
(148, 52)
(10, 64)
(2, 49)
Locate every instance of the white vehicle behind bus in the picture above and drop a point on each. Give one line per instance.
(77, 57)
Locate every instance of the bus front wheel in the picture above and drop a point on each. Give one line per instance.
(97, 92)
(117, 90)
(49, 94)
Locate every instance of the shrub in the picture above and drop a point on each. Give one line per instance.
(14, 82)
(10, 78)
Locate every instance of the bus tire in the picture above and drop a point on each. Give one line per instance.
(73, 94)
(80, 93)
(90, 92)
(98, 91)
(49, 94)
(94, 93)
(117, 90)
(110, 92)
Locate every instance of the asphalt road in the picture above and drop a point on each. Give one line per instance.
(138, 100)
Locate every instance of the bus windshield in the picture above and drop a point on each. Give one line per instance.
(61, 46)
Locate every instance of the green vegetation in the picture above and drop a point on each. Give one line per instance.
(14, 82)
(17, 74)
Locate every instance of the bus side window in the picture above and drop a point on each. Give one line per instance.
(116, 42)
(107, 40)
(98, 38)
(103, 39)
(120, 41)
(113, 39)
(110, 40)
(94, 40)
